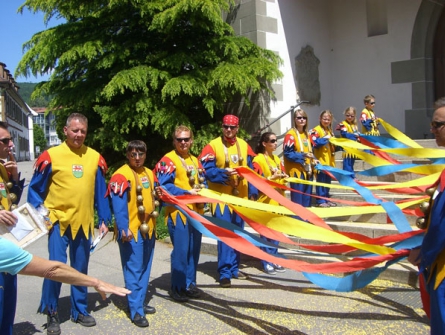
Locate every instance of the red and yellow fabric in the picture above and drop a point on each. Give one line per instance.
(324, 153)
(263, 166)
(300, 144)
(123, 184)
(173, 176)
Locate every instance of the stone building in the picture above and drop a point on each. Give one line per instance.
(17, 114)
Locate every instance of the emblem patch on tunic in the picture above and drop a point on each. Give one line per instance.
(234, 158)
(77, 171)
(145, 182)
(3, 190)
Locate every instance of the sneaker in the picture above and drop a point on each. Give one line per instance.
(279, 268)
(193, 293)
(85, 320)
(178, 297)
(269, 269)
(242, 276)
(225, 282)
(53, 324)
(332, 204)
(140, 321)
(323, 204)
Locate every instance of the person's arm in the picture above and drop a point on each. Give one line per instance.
(63, 273)
(289, 150)
(213, 173)
(101, 201)
(118, 192)
(165, 172)
(38, 189)
(253, 191)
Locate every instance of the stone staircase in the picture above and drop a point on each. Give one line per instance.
(371, 225)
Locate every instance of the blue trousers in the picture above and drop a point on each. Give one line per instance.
(348, 165)
(8, 302)
(184, 257)
(136, 259)
(79, 258)
(228, 258)
(437, 307)
(304, 199)
(269, 250)
(321, 190)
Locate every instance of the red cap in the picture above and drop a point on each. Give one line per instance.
(230, 120)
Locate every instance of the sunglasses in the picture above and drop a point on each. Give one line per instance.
(273, 141)
(372, 103)
(226, 126)
(349, 115)
(301, 117)
(137, 154)
(434, 125)
(6, 140)
(184, 139)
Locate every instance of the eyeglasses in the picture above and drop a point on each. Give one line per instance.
(301, 117)
(184, 139)
(137, 154)
(273, 141)
(6, 140)
(434, 125)
(372, 103)
(226, 126)
(349, 115)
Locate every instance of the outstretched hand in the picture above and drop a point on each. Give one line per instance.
(104, 288)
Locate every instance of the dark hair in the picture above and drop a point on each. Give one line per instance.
(260, 149)
(439, 103)
(4, 125)
(82, 118)
(138, 145)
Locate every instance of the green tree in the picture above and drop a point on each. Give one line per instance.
(139, 68)
(39, 138)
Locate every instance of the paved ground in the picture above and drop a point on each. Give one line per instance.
(282, 304)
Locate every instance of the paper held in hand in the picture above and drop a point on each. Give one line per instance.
(29, 227)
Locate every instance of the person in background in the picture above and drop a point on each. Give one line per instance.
(299, 159)
(431, 256)
(69, 182)
(324, 151)
(348, 129)
(132, 193)
(180, 173)
(269, 166)
(370, 123)
(219, 158)
(11, 188)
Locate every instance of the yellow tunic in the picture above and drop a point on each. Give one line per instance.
(370, 115)
(302, 144)
(325, 153)
(268, 167)
(4, 191)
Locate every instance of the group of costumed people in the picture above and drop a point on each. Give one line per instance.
(241, 186)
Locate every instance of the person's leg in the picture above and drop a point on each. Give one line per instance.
(270, 250)
(437, 307)
(321, 191)
(8, 302)
(57, 246)
(194, 252)
(179, 235)
(79, 259)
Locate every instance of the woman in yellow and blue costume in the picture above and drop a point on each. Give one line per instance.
(348, 129)
(180, 173)
(269, 166)
(324, 151)
(131, 190)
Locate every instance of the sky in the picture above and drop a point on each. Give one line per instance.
(15, 30)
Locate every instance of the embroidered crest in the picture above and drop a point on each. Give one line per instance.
(192, 170)
(3, 190)
(145, 181)
(234, 158)
(77, 171)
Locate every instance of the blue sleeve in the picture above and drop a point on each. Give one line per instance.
(214, 174)
(13, 258)
(292, 155)
(347, 135)
(320, 142)
(120, 210)
(17, 188)
(167, 180)
(252, 190)
(367, 124)
(101, 202)
(38, 187)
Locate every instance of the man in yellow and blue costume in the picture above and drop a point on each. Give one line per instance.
(10, 183)
(219, 158)
(180, 173)
(69, 181)
(131, 190)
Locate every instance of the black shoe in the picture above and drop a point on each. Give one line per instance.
(149, 309)
(53, 324)
(176, 296)
(140, 321)
(85, 320)
(193, 293)
(242, 276)
(225, 282)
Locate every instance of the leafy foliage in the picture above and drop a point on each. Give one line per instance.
(26, 90)
(138, 69)
(39, 138)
